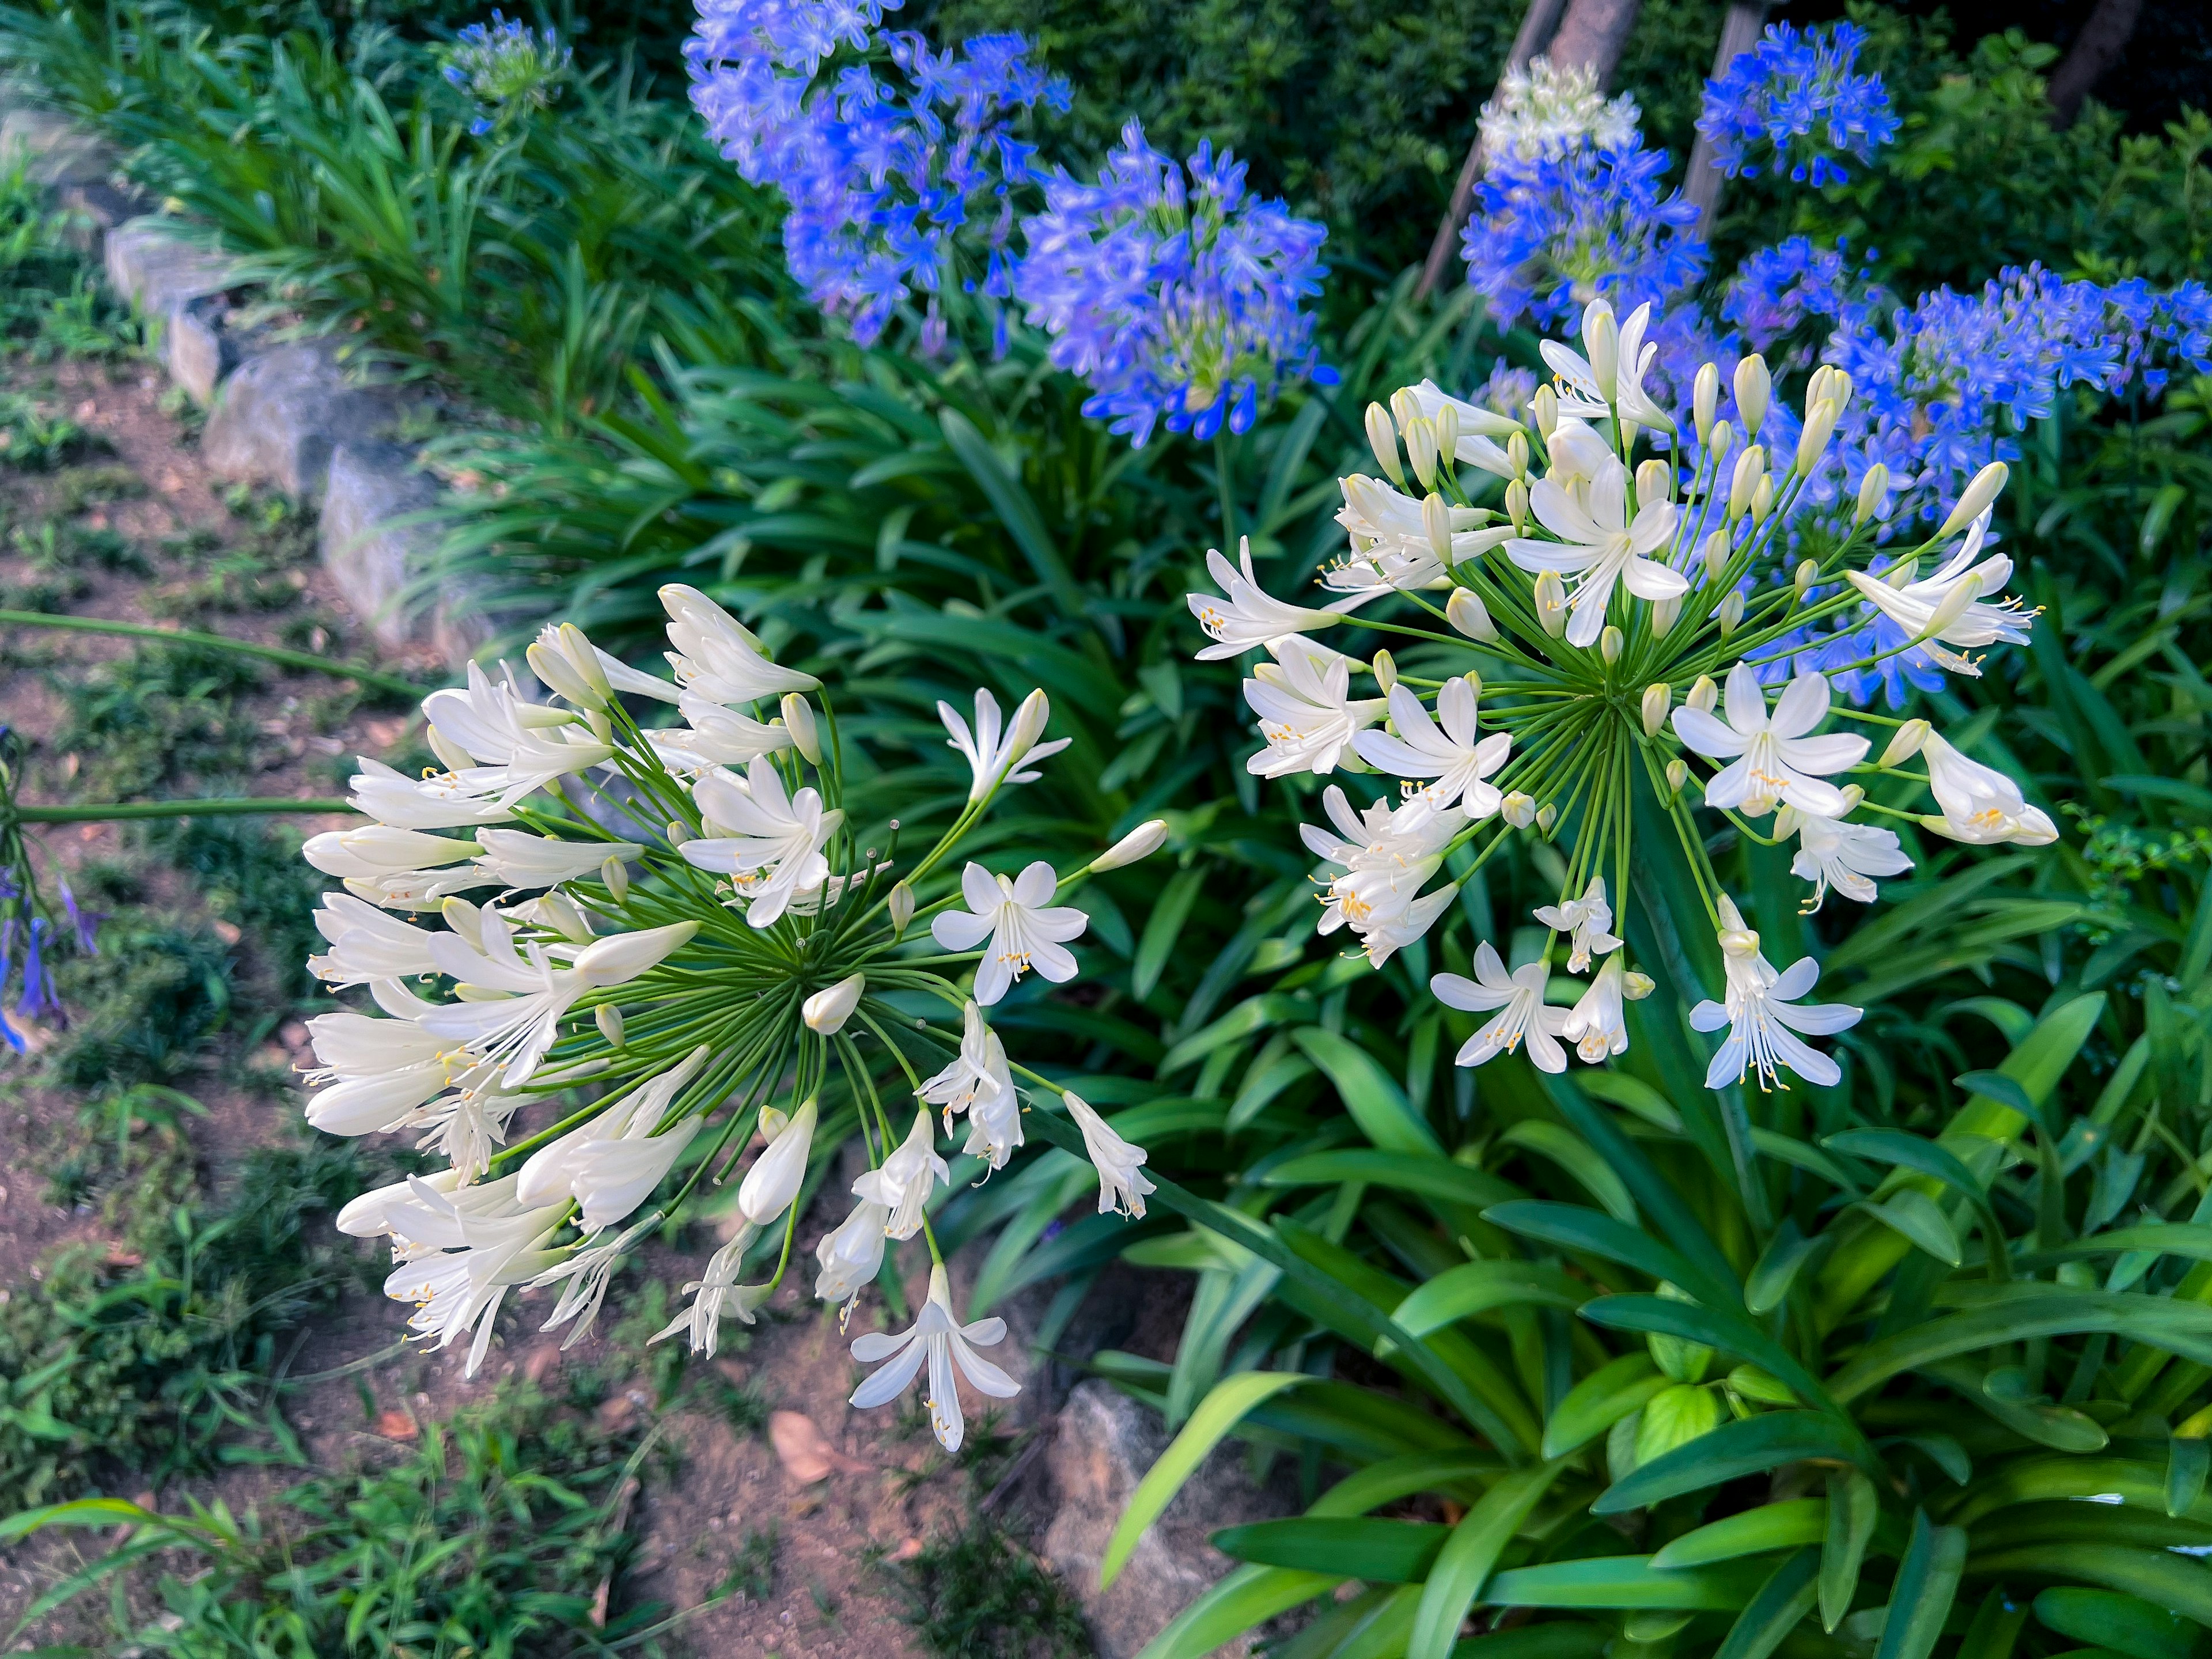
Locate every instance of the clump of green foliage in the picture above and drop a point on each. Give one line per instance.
(165, 715)
(978, 1594)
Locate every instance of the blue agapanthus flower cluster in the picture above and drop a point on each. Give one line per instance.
(507, 67)
(1555, 231)
(1792, 105)
(895, 166)
(1172, 289)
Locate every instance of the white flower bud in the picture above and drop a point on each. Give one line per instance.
(1873, 491)
(1786, 820)
(609, 1018)
(1635, 987)
(1750, 468)
(1813, 441)
(1723, 441)
(1952, 606)
(465, 918)
(826, 1012)
(901, 906)
(615, 874)
(1517, 452)
(1421, 450)
(1140, 842)
(1405, 407)
(1753, 385)
(1716, 553)
(1801, 579)
(622, 956)
(1435, 519)
(676, 834)
(1906, 744)
(564, 918)
(1601, 345)
(1980, 494)
(1466, 611)
(1446, 423)
(1658, 699)
(1551, 599)
(1547, 816)
(1030, 721)
(1762, 501)
(450, 754)
(1517, 506)
(798, 720)
(1704, 399)
(1383, 439)
(1544, 407)
(1655, 482)
(1517, 809)
(1386, 668)
(1852, 794)
(553, 665)
(1629, 430)
(1610, 639)
(774, 1179)
(1663, 614)
(1705, 692)
(1678, 773)
(1729, 613)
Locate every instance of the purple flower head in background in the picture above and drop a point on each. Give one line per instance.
(507, 67)
(1792, 105)
(1173, 290)
(893, 168)
(1554, 231)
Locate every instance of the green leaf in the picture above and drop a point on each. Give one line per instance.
(1380, 1552)
(1245, 1597)
(1371, 1094)
(1927, 1582)
(1624, 1581)
(1754, 1532)
(1163, 928)
(1478, 1286)
(1781, 1602)
(1567, 1149)
(83, 1512)
(2126, 1624)
(1555, 1638)
(1853, 1505)
(2163, 1579)
(1914, 1215)
(2186, 1463)
(1412, 1172)
(1573, 1227)
(1016, 509)
(1464, 1565)
(1777, 1268)
(1601, 1400)
(2037, 1309)
(1751, 1445)
(1730, 1333)
(1222, 1409)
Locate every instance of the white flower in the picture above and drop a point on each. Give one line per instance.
(1578, 456)
(1477, 426)
(575, 669)
(1458, 756)
(451, 800)
(1519, 997)
(1307, 713)
(550, 1172)
(482, 717)
(1833, 854)
(1141, 842)
(716, 1297)
(1601, 544)
(1388, 910)
(1248, 617)
(825, 1012)
(367, 945)
(778, 1173)
(990, 761)
(583, 1280)
(1595, 1024)
(944, 1344)
(851, 1254)
(1121, 1182)
(979, 1082)
(543, 753)
(1763, 1023)
(1379, 894)
(1962, 621)
(770, 843)
(612, 1178)
(1545, 110)
(369, 1214)
(1391, 547)
(718, 656)
(1980, 804)
(1776, 759)
(460, 1253)
(381, 850)
(375, 1072)
(1587, 922)
(1023, 932)
(517, 859)
(904, 1184)
(1611, 380)
(715, 736)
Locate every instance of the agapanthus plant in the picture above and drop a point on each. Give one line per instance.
(509, 68)
(1548, 109)
(1793, 104)
(607, 959)
(1590, 678)
(1173, 290)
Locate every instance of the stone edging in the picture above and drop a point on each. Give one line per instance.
(287, 415)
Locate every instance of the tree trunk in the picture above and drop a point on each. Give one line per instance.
(1593, 32)
(1739, 32)
(2103, 39)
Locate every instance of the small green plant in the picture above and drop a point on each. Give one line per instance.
(35, 440)
(752, 1577)
(978, 1594)
(162, 715)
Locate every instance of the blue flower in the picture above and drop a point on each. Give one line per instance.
(1555, 230)
(1792, 105)
(1172, 290)
(508, 67)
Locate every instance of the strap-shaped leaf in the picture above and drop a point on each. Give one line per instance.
(1245, 1597)
(1782, 1600)
(1777, 1267)
(1853, 1505)
(1371, 1094)
(2164, 1579)
(1751, 1445)
(1927, 1582)
(1412, 1172)
(1464, 1565)
(2124, 1624)
(1567, 1149)
(2181, 1327)
(1222, 1409)
(1731, 1333)
(1914, 1215)
(1574, 1227)
(1017, 510)
(1624, 1581)
(1360, 1546)
(2186, 1462)
(1601, 1400)
(1780, 1526)
(1478, 1286)
(1401, 1477)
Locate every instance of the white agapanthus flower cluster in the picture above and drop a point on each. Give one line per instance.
(1548, 110)
(605, 958)
(1594, 653)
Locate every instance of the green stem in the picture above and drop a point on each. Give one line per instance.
(234, 806)
(276, 653)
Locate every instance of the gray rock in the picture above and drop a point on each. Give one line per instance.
(197, 351)
(1105, 1443)
(53, 151)
(282, 413)
(370, 485)
(95, 210)
(151, 264)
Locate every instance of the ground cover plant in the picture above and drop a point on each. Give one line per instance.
(1623, 1351)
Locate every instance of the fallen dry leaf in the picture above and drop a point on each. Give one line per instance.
(907, 1551)
(804, 1451)
(397, 1425)
(228, 932)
